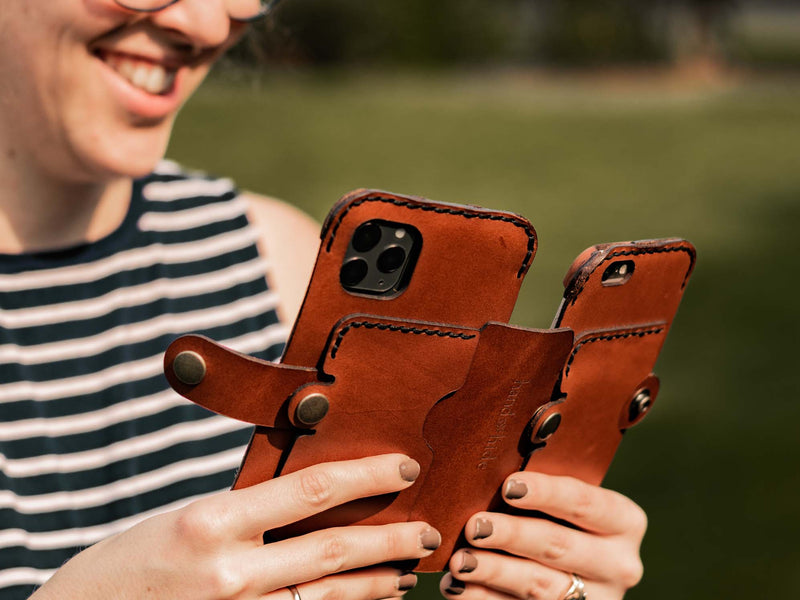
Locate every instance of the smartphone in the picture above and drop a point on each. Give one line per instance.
(420, 259)
(620, 300)
(401, 345)
(400, 257)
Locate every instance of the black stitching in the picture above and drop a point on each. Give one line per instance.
(637, 251)
(399, 328)
(608, 337)
(443, 210)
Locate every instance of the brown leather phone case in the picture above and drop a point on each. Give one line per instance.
(433, 372)
(469, 272)
(620, 300)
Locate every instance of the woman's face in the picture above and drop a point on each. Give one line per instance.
(89, 90)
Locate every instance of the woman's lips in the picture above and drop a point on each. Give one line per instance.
(146, 88)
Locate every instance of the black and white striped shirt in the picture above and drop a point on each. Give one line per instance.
(92, 440)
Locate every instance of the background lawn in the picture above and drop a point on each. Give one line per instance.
(715, 464)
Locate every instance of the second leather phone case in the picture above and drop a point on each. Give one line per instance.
(620, 300)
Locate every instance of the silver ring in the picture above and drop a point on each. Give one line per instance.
(295, 593)
(575, 591)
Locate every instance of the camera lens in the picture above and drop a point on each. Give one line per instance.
(618, 273)
(366, 237)
(353, 272)
(391, 259)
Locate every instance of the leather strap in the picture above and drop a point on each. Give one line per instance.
(236, 385)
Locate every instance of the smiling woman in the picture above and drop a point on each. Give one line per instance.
(75, 112)
(107, 253)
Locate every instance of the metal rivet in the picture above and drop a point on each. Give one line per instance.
(548, 427)
(312, 409)
(189, 367)
(639, 405)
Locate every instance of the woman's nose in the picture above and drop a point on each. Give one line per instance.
(201, 23)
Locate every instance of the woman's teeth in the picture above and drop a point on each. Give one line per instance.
(150, 77)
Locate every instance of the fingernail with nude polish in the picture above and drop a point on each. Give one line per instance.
(406, 582)
(409, 470)
(515, 489)
(455, 587)
(468, 562)
(483, 529)
(430, 539)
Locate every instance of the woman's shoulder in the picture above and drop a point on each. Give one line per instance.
(289, 238)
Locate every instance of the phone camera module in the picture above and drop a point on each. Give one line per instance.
(353, 272)
(366, 237)
(618, 273)
(380, 258)
(391, 259)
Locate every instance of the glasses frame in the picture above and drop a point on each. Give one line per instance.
(267, 9)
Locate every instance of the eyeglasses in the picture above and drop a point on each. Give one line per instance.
(239, 10)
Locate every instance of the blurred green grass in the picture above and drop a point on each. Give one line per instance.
(715, 464)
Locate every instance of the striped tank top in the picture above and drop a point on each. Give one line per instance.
(92, 440)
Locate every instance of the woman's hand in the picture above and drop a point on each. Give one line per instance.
(212, 549)
(542, 555)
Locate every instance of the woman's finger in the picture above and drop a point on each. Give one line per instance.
(587, 506)
(456, 589)
(509, 575)
(562, 548)
(330, 551)
(248, 512)
(366, 584)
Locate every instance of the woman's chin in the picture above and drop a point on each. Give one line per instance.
(133, 155)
